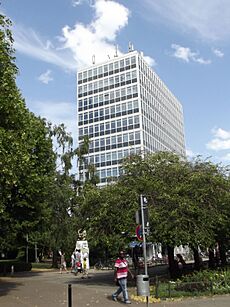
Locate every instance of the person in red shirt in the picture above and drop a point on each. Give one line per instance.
(120, 277)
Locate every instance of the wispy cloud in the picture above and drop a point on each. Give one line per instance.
(220, 141)
(76, 45)
(80, 2)
(187, 55)
(56, 112)
(77, 2)
(45, 77)
(209, 19)
(218, 52)
(190, 153)
(28, 42)
(150, 61)
(226, 157)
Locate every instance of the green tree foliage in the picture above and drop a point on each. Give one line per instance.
(185, 198)
(61, 233)
(188, 201)
(106, 214)
(26, 156)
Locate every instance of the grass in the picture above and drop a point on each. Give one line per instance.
(41, 266)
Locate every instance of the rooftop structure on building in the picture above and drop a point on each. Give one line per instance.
(125, 108)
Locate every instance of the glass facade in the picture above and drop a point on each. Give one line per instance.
(125, 109)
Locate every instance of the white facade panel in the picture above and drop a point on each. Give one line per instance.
(125, 108)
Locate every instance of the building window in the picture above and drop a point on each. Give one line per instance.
(80, 76)
(100, 72)
(133, 60)
(125, 138)
(114, 172)
(107, 140)
(113, 125)
(116, 65)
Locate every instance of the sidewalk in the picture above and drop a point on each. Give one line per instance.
(42, 289)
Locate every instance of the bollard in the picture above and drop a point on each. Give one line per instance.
(12, 270)
(69, 295)
(157, 286)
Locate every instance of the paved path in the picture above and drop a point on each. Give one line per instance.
(49, 289)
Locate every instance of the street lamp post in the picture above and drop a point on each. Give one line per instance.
(27, 248)
(145, 225)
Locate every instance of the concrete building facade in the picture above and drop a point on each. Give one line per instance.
(125, 109)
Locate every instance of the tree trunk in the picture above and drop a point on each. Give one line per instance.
(222, 252)
(197, 261)
(173, 265)
(211, 262)
(55, 259)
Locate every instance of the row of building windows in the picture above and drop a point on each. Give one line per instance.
(160, 141)
(118, 110)
(116, 155)
(162, 130)
(107, 83)
(152, 83)
(115, 141)
(107, 69)
(152, 106)
(110, 97)
(101, 160)
(126, 123)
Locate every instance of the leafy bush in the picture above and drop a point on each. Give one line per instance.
(218, 281)
(5, 266)
(192, 286)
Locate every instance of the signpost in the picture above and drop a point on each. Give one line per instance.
(139, 233)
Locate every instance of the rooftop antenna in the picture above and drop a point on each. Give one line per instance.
(116, 55)
(130, 47)
(108, 56)
(93, 59)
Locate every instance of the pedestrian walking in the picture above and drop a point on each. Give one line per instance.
(73, 261)
(120, 277)
(63, 262)
(84, 270)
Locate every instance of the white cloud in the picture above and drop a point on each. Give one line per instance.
(221, 140)
(45, 77)
(190, 153)
(185, 54)
(80, 2)
(98, 37)
(76, 46)
(221, 133)
(226, 157)
(209, 19)
(150, 61)
(218, 53)
(218, 144)
(77, 2)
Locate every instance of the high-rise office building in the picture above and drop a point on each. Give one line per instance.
(125, 108)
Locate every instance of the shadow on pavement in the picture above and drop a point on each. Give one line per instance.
(98, 279)
(6, 286)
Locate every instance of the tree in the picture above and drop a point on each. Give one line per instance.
(184, 198)
(106, 214)
(26, 156)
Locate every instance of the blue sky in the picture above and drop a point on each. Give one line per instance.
(186, 42)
